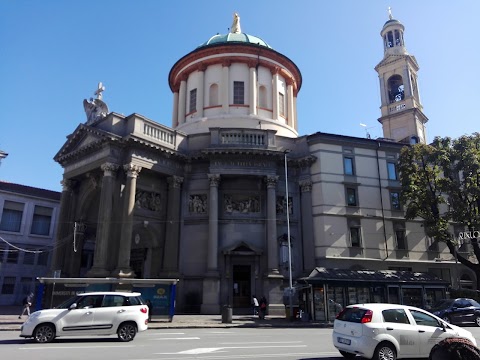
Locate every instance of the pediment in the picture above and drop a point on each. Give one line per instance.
(396, 58)
(82, 139)
(242, 248)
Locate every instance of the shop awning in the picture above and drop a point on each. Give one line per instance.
(322, 275)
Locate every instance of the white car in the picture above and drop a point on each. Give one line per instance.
(390, 331)
(95, 313)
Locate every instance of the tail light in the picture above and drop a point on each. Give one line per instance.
(144, 310)
(367, 317)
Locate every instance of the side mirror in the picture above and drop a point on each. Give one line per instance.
(73, 306)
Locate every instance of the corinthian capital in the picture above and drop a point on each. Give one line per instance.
(109, 168)
(214, 179)
(305, 185)
(271, 181)
(67, 185)
(175, 181)
(132, 170)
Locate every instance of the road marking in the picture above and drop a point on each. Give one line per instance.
(177, 338)
(172, 333)
(75, 347)
(252, 356)
(261, 342)
(210, 350)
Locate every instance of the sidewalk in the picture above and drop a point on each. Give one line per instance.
(9, 321)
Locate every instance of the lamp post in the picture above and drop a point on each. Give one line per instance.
(290, 288)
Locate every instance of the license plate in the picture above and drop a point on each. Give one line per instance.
(343, 341)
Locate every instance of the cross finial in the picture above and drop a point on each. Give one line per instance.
(99, 90)
(390, 16)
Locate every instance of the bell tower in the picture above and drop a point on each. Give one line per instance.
(402, 117)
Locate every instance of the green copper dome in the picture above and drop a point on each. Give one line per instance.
(234, 38)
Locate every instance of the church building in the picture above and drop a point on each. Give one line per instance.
(234, 202)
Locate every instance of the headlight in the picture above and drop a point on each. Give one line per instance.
(35, 315)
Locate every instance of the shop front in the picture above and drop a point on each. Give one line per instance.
(325, 292)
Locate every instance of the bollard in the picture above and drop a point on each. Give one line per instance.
(226, 314)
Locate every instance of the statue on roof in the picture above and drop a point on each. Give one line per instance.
(390, 16)
(95, 109)
(235, 29)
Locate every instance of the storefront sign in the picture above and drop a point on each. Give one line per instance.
(468, 235)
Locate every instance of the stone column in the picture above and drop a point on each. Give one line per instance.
(307, 226)
(225, 88)
(175, 108)
(275, 92)
(253, 87)
(172, 230)
(78, 238)
(123, 266)
(182, 100)
(200, 90)
(407, 82)
(272, 245)
(212, 265)
(99, 268)
(290, 118)
(64, 228)
(211, 281)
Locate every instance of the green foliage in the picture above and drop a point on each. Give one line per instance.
(465, 293)
(441, 185)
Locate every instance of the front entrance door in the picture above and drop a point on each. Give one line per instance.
(137, 262)
(242, 296)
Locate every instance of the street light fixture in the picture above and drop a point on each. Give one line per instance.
(290, 288)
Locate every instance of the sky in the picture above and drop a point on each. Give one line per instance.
(53, 53)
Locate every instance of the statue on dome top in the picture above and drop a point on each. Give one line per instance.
(235, 29)
(390, 16)
(95, 109)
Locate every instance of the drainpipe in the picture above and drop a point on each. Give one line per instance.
(381, 202)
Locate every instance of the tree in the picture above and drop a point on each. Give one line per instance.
(441, 185)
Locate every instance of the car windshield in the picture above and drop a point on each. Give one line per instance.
(443, 304)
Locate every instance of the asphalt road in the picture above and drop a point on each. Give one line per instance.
(185, 344)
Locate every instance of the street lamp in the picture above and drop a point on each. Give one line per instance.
(290, 288)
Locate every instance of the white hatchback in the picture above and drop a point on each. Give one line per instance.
(390, 331)
(95, 313)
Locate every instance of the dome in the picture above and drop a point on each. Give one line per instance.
(234, 38)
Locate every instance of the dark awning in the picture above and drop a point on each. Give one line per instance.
(323, 275)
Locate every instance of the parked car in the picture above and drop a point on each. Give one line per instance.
(390, 331)
(95, 313)
(458, 311)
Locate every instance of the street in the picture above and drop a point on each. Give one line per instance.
(185, 344)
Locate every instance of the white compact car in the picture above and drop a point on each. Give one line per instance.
(95, 313)
(390, 331)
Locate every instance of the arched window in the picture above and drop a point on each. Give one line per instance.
(395, 89)
(262, 97)
(213, 95)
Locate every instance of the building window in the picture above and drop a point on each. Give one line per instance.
(262, 97)
(351, 196)
(431, 243)
(213, 98)
(11, 216)
(281, 104)
(355, 233)
(401, 236)
(238, 92)
(395, 200)
(29, 257)
(8, 286)
(392, 171)
(42, 258)
(193, 101)
(42, 218)
(348, 165)
(12, 256)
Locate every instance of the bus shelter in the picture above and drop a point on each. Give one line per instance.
(51, 292)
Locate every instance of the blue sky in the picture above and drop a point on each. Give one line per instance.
(54, 53)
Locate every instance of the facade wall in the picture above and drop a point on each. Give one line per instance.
(23, 255)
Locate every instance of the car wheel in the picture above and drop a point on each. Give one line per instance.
(385, 351)
(446, 319)
(127, 331)
(347, 355)
(477, 320)
(44, 333)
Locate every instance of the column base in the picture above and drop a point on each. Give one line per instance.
(273, 287)
(97, 272)
(210, 301)
(123, 273)
(168, 275)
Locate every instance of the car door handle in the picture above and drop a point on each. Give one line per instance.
(421, 331)
(122, 310)
(389, 328)
(88, 313)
